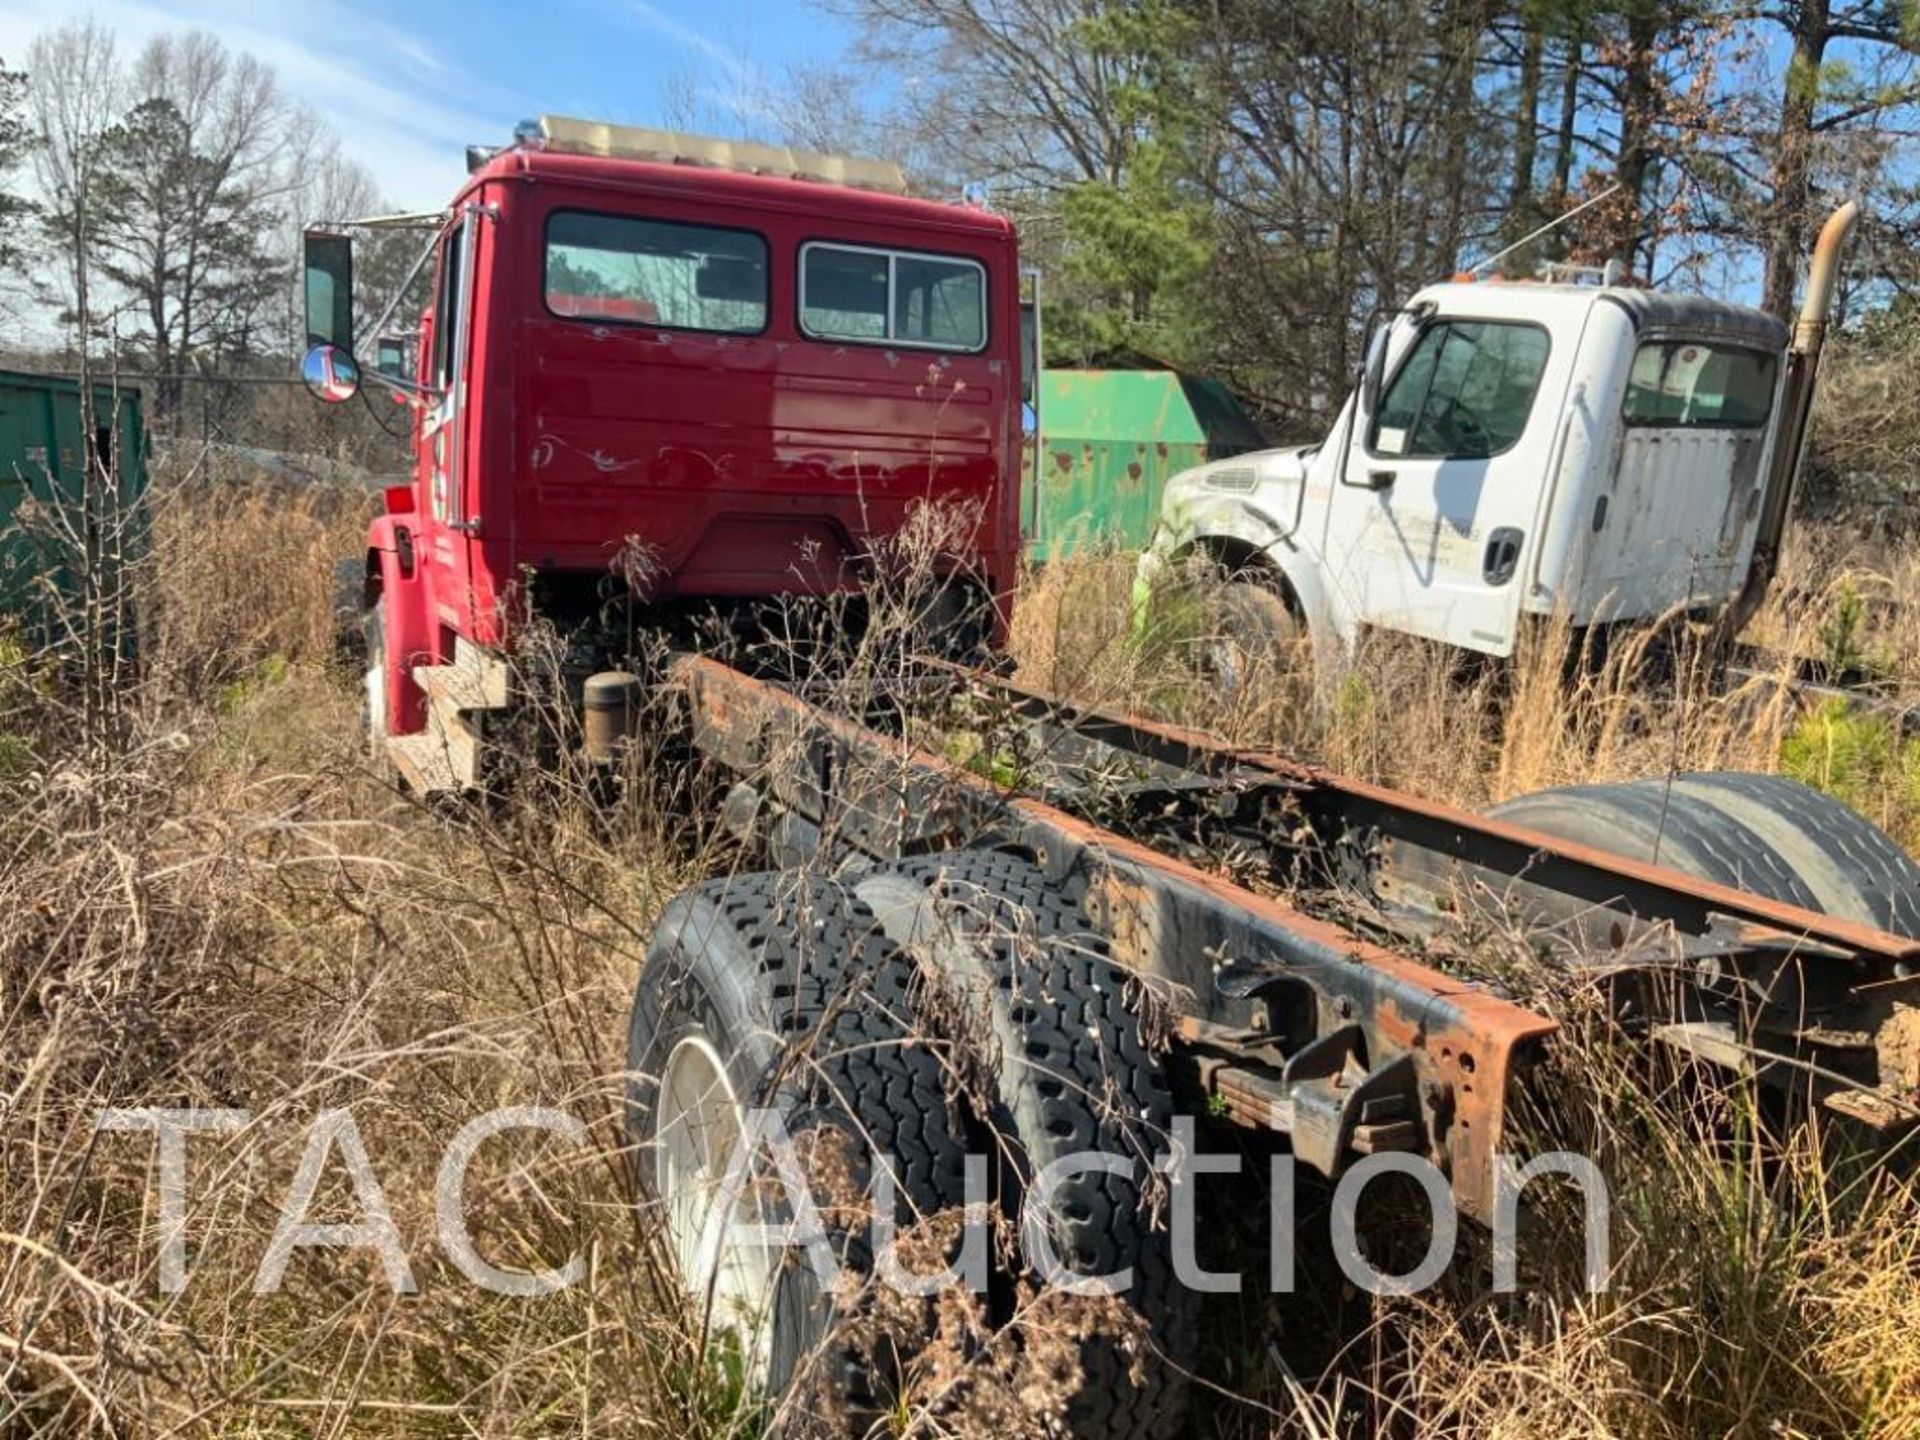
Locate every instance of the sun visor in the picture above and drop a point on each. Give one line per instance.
(673, 147)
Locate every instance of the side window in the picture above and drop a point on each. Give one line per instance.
(1406, 393)
(931, 301)
(1695, 385)
(1464, 392)
(843, 293)
(446, 310)
(939, 302)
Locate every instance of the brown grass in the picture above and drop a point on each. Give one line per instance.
(1402, 713)
(227, 911)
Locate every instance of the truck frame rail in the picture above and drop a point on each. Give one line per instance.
(1303, 920)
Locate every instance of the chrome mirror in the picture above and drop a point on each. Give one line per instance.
(330, 373)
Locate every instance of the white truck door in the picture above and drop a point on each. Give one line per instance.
(1428, 531)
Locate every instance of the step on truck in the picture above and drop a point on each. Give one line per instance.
(995, 930)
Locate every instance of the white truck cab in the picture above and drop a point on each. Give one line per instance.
(1598, 452)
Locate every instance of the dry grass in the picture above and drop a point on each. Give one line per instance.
(230, 913)
(224, 910)
(1402, 713)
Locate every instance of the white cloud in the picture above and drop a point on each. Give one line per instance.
(725, 80)
(731, 63)
(399, 108)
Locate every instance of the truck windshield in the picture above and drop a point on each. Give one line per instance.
(655, 272)
(1691, 384)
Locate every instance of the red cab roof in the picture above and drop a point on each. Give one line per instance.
(736, 188)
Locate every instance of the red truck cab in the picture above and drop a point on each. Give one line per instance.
(725, 385)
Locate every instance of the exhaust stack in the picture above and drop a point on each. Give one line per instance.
(1796, 407)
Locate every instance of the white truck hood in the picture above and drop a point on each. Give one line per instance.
(1253, 497)
(1245, 474)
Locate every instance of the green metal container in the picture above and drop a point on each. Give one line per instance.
(1109, 441)
(45, 449)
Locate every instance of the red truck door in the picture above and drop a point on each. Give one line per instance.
(446, 430)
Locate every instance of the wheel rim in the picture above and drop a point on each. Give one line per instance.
(376, 683)
(700, 1131)
(1227, 659)
(376, 707)
(1239, 649)
(1222, 660)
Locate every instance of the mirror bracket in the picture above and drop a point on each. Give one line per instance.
(412, 392)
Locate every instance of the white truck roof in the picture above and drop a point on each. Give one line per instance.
(1653, 312)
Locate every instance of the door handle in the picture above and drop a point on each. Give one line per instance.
(1381, 479)
(1502, 557)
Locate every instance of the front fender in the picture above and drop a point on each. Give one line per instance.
(1225, 525)
(393, 581)
(1189, 515)
(1195, 521)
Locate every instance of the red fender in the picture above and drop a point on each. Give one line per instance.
(394, 577)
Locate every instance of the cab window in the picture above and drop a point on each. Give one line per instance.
(1464, 392)
(852, 292)
(447, 319)
(655, 272)
(1686, 384)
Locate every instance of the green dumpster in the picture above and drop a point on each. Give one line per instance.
(1109, 441)
(45, 449)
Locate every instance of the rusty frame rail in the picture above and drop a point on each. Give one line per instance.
(1826, 1007)
(1488, 848)
(1293, 1023)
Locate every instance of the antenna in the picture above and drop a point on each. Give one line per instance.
(1548, 228)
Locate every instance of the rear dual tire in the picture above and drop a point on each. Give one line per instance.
(1778, 839)
(779, 992)
(1076, 1076)
(1765, 834)
(764, 978)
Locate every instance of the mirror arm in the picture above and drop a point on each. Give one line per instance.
(409, 389)
(400, 290)
(1353, 421)
(1360, 379)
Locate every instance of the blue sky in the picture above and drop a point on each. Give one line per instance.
(408, 87)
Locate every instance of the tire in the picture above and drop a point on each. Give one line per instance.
(1765, 834)
(1251, 634)
(349, 609)
(783, 988)
(1075, 1074)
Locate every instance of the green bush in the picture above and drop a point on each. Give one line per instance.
(1855, 756)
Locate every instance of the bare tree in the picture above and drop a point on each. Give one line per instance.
(1013, 90)
(75, 90)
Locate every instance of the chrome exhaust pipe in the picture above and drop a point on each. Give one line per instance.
(1810, 329)
(1796, 409)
